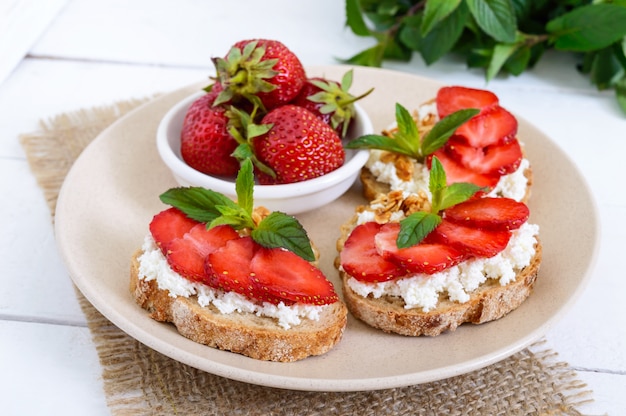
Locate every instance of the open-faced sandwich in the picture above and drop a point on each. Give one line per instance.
(236, 277)
(471, 134)
(421, 264)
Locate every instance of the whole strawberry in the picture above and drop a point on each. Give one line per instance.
(297, 147)
(330, 101)
(205, 142)
(264, 72)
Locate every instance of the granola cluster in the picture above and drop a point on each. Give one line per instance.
(386, 206)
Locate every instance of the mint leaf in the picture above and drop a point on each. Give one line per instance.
(407, 135)
(589, 27)
(519, 61)
(244, 186)
(437, 178)
(281, 230)
(236, 217)
(605, 69)
(495, 17)
(439, 40)
(406, 139)
(435, 11)
(197, 203)
(441, 132)
(443, 195)
(369, 57)
(456, 193)
(415, 227)
(443, 37)
(375, 141)
(501, 53)
(395, 50)
(410, 33)
(354, 20)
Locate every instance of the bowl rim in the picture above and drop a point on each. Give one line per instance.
(182, 170)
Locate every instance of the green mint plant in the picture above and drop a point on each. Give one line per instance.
(501, 36)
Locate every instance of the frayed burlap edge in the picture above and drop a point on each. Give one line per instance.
(140, 381)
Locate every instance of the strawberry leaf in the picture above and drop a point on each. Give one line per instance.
(415, 227)
(281, 230)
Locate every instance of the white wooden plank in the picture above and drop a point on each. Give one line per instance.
(21, 24)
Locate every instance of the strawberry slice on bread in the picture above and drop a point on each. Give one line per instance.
(459, 257)
(467, 129)
(235, 277)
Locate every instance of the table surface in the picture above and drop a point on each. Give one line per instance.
(91, 53)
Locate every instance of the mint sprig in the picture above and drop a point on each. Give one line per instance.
(213, 208)
(500, 36)
(415, 227)
(407, 141)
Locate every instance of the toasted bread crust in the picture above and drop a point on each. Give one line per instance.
(243, 333)
(489, 302)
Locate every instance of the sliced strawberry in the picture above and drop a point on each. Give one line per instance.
(169, 225)
(428, 258)
(496, 125)
(469, 240)
(495, 159)
(361, 260)
(228, 267)
(456, 172)
(455, 98)
(280, 275)
(489, 213)
(186, 254)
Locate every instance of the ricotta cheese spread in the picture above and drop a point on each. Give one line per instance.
(153, 266)
(423, 291)
(511, 186)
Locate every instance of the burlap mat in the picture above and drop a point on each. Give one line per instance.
(140, 381)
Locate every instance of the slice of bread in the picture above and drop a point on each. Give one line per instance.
(425, 117)
(490, 301)
(487, 303)
(243, 333)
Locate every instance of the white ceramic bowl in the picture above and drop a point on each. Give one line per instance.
(290, 198)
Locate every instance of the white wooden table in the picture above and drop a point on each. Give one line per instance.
(87, 53)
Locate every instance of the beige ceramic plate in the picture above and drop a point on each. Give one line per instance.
(112, 192)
